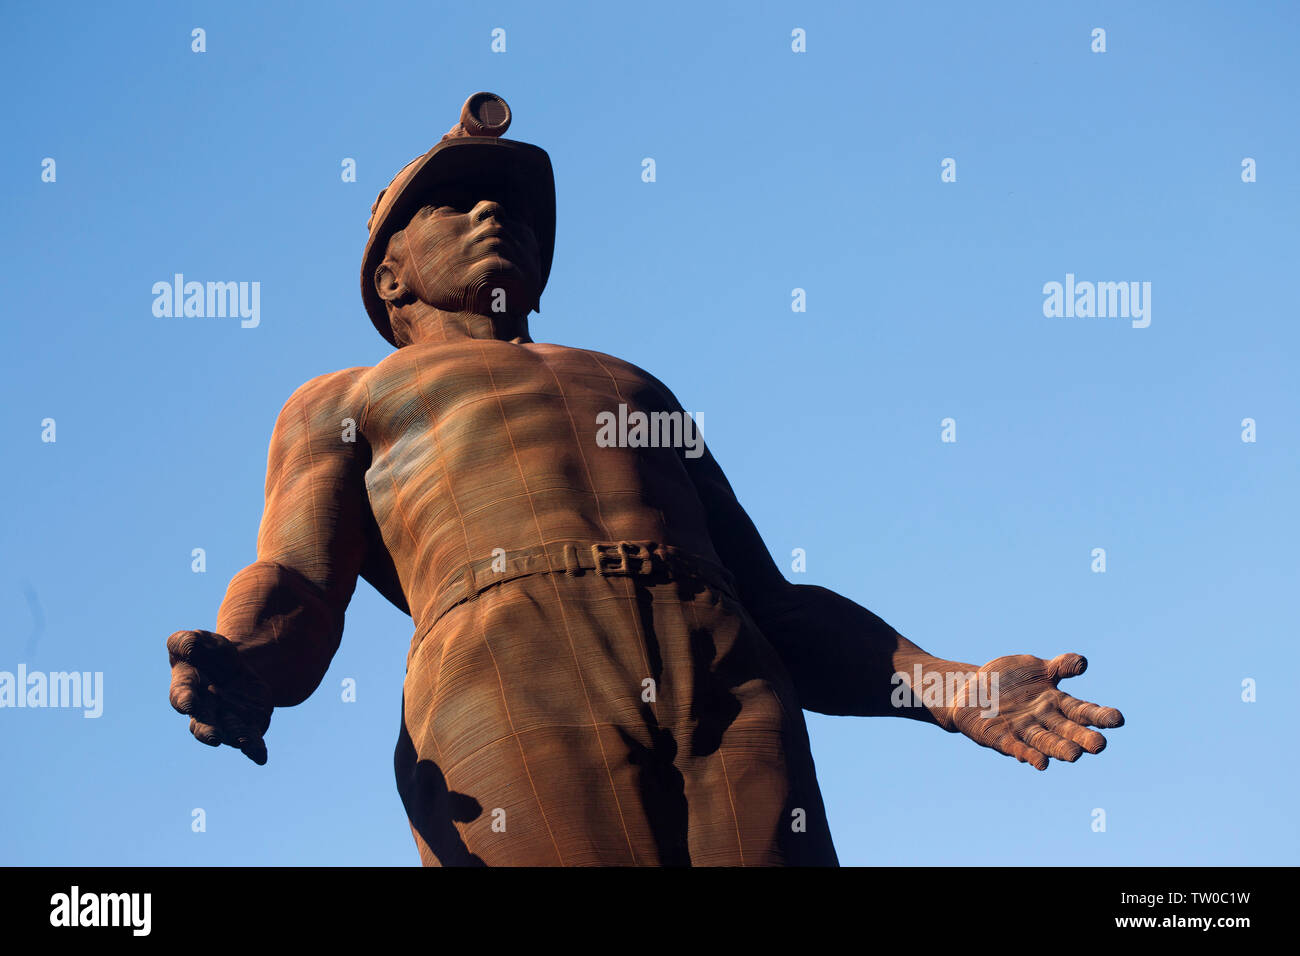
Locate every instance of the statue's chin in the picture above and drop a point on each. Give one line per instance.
(501, 286)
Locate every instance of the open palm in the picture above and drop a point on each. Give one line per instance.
(1033, 719)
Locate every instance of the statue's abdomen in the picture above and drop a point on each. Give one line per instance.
(483, 445)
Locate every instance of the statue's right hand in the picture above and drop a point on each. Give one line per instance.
(226, 702)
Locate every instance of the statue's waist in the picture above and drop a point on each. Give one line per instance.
(640, 559)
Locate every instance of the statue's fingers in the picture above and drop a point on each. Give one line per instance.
(255, 750)
(1085, 713)
(186, 687)
(1040, 738)
(178, 646)
(191, 695)
(251, 714)
(1008, 744)
(1089, 740)
(209, 652)
(205, 733)
(1066, 665)
(251, 703)
(237, 732)
(181, 644)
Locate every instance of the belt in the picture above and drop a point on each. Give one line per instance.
(642, 559)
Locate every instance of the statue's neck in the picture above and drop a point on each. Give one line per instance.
(432, 325)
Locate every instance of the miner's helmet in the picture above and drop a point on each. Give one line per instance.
(471, 152)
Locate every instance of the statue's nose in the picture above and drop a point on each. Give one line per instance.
(487, 209)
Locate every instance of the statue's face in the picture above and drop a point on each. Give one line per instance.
(467, 250)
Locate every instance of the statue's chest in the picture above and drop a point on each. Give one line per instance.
(491, 388)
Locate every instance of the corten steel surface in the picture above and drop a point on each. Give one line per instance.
(549, 577)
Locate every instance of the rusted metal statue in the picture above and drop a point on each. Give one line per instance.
(607, 666)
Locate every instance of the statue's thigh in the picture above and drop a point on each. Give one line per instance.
(742, 744)
(525, 712)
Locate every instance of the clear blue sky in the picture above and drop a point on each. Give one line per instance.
(775, 170)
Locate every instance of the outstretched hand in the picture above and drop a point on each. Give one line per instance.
(1031, 719)
(225, 701)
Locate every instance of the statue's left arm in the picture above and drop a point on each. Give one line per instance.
(844, 659)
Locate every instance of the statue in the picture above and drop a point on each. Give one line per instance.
(607, 666)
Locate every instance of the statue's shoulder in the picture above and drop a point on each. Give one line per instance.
(590, 358)
(630, 379)
(326, 396)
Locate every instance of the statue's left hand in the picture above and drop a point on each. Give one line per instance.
(226, 702)
(1030, 719)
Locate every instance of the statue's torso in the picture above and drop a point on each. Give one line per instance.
(609, 718)
(481, 444)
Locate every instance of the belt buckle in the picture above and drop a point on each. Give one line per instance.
(604, 556)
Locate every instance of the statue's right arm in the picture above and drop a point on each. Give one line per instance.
(282, 617)
(285, 611)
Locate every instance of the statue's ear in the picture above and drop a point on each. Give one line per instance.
(387, 284)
